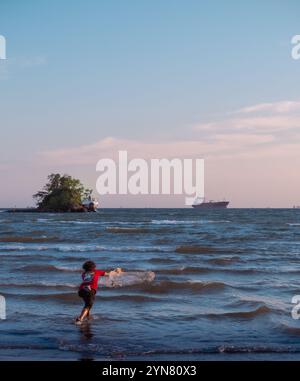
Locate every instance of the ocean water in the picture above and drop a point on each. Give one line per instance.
(224, 281)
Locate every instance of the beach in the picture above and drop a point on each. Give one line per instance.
(224, 281)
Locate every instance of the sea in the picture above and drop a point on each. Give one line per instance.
(223, 285)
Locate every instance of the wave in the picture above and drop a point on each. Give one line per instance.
(188, 222)
(204, 270)
(47, 268)
(79, 222)
(161, 260)
(190, 249)
(29, 239)
(168, 271)
(224, 261)
(173, 222)
(51, 221)
(71, 297)
(35, 256)
(57, 297)
(162, 287)
(185, 270)
(87, 248)
(39, 285)
(290, 330)
(126, 230)
(262, 310)
(166, 286)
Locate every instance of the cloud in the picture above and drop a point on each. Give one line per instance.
(276, 107)
(223, 145)
(109, 147)
(280, 119)
(262, 129)
(252, 157)
(254, 124)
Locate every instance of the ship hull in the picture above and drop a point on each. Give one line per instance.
(212, 205)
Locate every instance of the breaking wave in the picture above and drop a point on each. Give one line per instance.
(86, 248)
(47, 268)
(127, 278)
(39, 285)
(189, 222)
(172, 222)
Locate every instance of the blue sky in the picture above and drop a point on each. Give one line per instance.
(77, 72)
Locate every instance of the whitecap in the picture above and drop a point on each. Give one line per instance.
(86, 248)
(128, 278)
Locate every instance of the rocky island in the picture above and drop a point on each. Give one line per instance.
(62, 194)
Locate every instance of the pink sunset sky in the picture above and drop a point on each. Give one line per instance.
(251, 158)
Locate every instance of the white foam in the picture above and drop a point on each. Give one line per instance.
(164, 222)
(85, 248)
(174, 222)
(128, 278)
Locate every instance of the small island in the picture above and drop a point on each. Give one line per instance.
(62, 194)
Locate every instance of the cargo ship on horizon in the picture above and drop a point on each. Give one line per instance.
(202, 204)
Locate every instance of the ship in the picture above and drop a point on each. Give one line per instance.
(89, 203)
(202, 204)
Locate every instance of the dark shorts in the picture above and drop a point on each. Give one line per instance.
(88, 297)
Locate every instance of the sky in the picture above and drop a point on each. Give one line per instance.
(206, 79)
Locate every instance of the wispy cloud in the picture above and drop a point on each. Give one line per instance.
(277, 118)
(263, 130)
(276, 107)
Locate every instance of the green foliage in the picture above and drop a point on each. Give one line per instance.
(60, 194)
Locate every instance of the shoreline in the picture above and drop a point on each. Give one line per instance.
(36, 210)
(74, 356)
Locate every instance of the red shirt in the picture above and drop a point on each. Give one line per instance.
(90, 279)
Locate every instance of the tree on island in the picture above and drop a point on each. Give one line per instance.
(61, 194)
